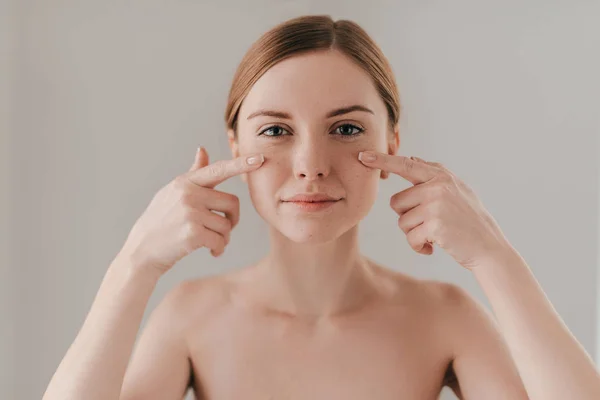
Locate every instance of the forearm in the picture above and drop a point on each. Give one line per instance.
(551, 362)
(94, 366)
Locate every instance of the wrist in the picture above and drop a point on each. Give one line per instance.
(136, 267)
(503, 256)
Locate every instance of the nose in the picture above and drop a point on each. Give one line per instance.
(310, 159)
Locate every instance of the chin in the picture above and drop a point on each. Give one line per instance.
(310, 237)
(314, 231)
(314, 228)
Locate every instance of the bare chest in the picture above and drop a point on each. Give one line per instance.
(363, 358)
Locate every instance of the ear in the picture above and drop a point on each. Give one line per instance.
(233, 145)
(235, 150)
(393, 146)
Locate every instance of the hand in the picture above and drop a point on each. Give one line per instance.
(441, 209)
(180, 217)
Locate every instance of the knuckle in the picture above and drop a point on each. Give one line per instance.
(441, 188)
(400, 199)
(178, 186)
(393, 202)
(436, 226)
(216, 242)
(181, 182)
(193, 230)
(402, 225)
(186, 198)
(412, 239)
(240, 163)
(407, 164)
(230, 200)
(394, 199)
(465, 187)
(433, 209)
(448, 186)
(447, 175)
(215, 169)
(228, 225)
(189, 215)
(191, 238)
(221, 223)
(190, 241)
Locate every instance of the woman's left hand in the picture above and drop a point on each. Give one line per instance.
(441, 209)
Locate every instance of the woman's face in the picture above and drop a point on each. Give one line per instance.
(286, 116)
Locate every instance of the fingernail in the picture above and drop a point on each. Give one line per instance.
(366, 156)
(258, 159)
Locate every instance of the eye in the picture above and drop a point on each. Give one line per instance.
(345, 130)
(348, 130)
(274, 130)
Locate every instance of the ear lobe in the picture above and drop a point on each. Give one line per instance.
(394, 145)
(233, 145)
(235, 151)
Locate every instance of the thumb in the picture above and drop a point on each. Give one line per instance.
(200, 160)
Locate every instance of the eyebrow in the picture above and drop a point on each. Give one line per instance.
(334, 113)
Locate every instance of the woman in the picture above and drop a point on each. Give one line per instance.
(311, 104)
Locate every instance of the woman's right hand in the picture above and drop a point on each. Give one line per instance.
(180, 217)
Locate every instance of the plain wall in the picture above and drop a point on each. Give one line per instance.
(8, 29)
(110, 100)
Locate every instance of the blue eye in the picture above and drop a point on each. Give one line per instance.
(275, 128)
(277, 131)
(346, 132)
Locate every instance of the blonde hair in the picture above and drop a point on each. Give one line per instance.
(308, 34)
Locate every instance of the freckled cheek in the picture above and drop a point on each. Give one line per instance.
(266, 181)
(360, 179)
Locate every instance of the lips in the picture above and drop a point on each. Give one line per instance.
(312, 202)
(311, 198)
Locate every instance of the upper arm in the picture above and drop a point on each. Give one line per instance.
(159, 367)
(482, 364)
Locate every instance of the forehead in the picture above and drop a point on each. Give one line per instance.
(313, 84)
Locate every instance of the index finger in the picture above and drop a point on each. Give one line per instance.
(413, 171)
(219, 171)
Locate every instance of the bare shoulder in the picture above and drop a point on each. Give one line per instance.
(195, 301)
(458, 307)
(443, 304)
(467, 331)
(454, 312)
(430, 292)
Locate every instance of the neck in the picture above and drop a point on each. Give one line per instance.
(315, 280)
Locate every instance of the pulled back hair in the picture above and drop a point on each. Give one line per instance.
(307, 34)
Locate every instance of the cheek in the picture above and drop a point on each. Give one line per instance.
(265, 181)
(361, 182)
(248, 143)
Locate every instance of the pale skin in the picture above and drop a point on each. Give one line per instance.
(315, 318)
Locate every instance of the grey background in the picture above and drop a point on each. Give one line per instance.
(7, 310)
(104, 102)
